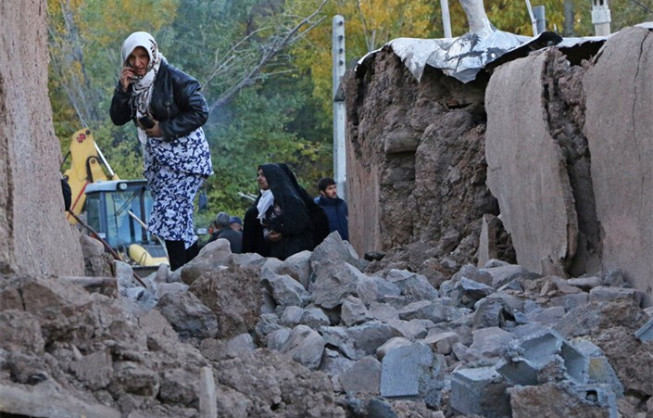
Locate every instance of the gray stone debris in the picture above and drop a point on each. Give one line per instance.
(645, 333)
(364, 377)
(411, 370)
(435, 351)
(528, 360)
(390, 335)
(480, 391)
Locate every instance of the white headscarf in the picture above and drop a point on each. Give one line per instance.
(142, 85)
(264, 203)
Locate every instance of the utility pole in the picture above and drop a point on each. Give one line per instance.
(601, 17)
(339, 61)
(540, 18)
(532, 16)
(446, 20)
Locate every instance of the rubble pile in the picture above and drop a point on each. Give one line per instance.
(237, 335)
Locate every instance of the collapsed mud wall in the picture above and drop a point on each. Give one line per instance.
(35, 237)
(416, 166)
(566, 149)
(619, 128)
(561, 135)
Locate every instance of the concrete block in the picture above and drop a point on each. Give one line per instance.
(576, 363)
(442, 343)
(363, 377)
(609, 294)
(390, 345)
(645, 333)
(411, 371)
(599, 371)
(531, 354)
(479, 391)
(586, 283)
(519, 371)
(539, 347)
(571, 301)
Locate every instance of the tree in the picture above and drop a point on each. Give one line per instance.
(84, 59)
(236, 49)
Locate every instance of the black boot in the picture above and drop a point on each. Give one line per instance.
(192, 251)
(176, 254)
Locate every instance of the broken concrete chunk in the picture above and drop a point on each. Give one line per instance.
(95, 370)
(645, 333)
(391, 344)
(480, 391)
(285, 290)
(49, 401)
(353, 311)
(413, 286)
(442, 343)
(586, 283)
(188, 315)
(363, 377)
(383, 312)
(413, 330)
(411, 371)
(489, 343)
(240, 344)
(291, 316)
(305, 346)
(533, 358)
(298, 267)
(333, 285)
(609, 294)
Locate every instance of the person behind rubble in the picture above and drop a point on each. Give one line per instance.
(225, 231)
(334, 207)
(278, 223)
(319, 220)
(236, 224)
(168, 109)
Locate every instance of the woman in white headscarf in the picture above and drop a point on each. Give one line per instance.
(168, 110)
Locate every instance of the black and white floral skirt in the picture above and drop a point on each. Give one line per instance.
(172, 215)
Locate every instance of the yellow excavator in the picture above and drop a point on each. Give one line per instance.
(116, 209)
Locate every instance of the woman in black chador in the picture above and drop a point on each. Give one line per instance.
(278, 224)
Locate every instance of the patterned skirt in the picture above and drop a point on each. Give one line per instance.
(172, 214)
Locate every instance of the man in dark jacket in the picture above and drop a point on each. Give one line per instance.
(235, 238)
(334, 207)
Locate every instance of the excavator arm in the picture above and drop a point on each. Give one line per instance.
(85, 168)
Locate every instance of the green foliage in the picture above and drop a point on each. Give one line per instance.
(283, 112)
(274, 119)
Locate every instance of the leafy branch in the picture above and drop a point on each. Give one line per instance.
(259, 58)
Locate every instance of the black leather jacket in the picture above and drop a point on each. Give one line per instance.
(176, 103)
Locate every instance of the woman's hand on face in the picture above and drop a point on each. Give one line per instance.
(155, 131)
(126, 77)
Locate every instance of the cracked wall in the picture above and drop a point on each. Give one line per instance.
(35, 236)
(563, 135)
(569, 150)
(619, 129)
